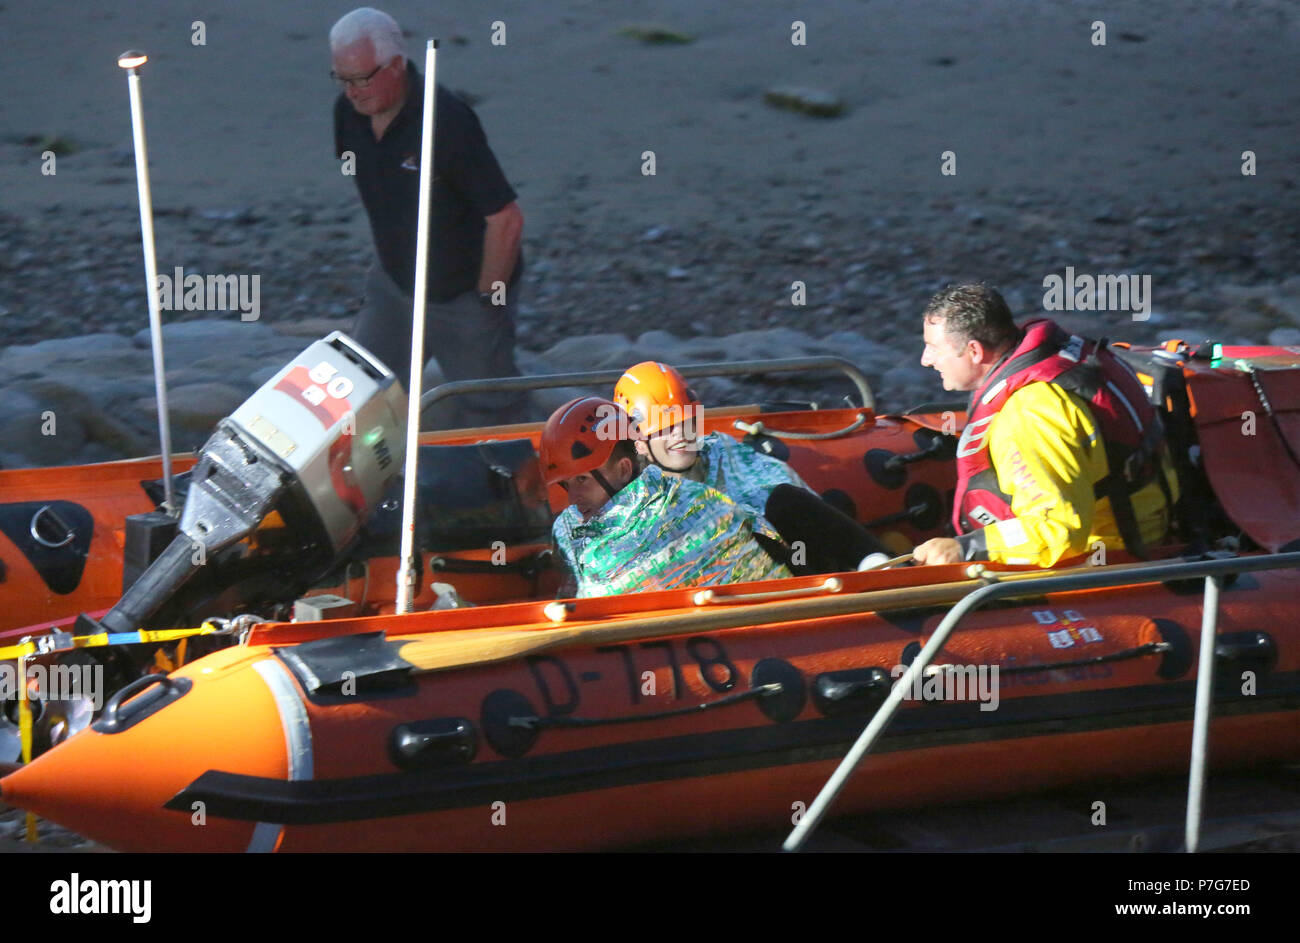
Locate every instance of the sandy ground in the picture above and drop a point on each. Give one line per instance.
(1027, 102)
(1158, 117)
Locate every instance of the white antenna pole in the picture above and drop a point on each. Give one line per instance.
(131, 61)
(406, 572)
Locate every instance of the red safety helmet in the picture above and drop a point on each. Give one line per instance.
(655, 396)
(579, 437)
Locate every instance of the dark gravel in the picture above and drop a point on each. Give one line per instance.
(68, 272)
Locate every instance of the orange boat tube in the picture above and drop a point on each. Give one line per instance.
(498, 729)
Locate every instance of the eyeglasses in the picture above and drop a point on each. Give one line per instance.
(362, 82)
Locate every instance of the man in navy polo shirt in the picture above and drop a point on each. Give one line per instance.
(475, 223)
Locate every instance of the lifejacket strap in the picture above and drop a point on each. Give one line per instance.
(1125, 517)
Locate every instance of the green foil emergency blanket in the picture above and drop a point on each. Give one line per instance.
(743, 474)
(662, 532)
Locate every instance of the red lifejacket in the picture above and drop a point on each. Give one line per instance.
(1129, 427)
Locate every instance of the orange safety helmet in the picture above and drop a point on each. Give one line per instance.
(579, 437)
(655, 396)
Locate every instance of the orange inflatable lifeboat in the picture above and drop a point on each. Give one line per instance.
(526, 724)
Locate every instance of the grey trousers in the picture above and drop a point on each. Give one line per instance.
(469, 341)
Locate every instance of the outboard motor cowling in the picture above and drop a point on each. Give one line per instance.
(319, 443)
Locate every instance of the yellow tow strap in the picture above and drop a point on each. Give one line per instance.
(52, 642)
(33, 644)
(25, 733)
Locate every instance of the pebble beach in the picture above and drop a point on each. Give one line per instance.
(1104, 158)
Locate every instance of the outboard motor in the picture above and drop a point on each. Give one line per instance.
(318, 444)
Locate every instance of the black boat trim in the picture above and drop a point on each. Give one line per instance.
(315, 802)
(346, 668)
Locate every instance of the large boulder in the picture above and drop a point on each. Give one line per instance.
(194, 410)
(41, 422)
(1284, 337)
(580, 354)
(188, 341)
(93, 353)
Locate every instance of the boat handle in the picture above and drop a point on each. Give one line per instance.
(708, 597)
(757, 428)
(115, 719)
(69, 533)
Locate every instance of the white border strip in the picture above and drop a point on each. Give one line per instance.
(297, 741)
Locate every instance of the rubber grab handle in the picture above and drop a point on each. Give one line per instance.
(119, 715)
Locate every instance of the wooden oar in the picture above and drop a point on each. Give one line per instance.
(462, 648)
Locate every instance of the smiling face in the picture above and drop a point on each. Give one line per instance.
(385, 90)
(676, 448)
(961, 365)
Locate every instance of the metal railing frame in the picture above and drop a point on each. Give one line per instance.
(690, 371)
(1213, 571)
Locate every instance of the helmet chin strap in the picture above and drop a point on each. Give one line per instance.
(601, 480)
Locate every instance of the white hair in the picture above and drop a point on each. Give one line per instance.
(368, 23)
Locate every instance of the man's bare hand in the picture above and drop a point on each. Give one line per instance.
(501, 236)
(938, 550)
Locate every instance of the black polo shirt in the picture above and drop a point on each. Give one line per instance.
(467, 186)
